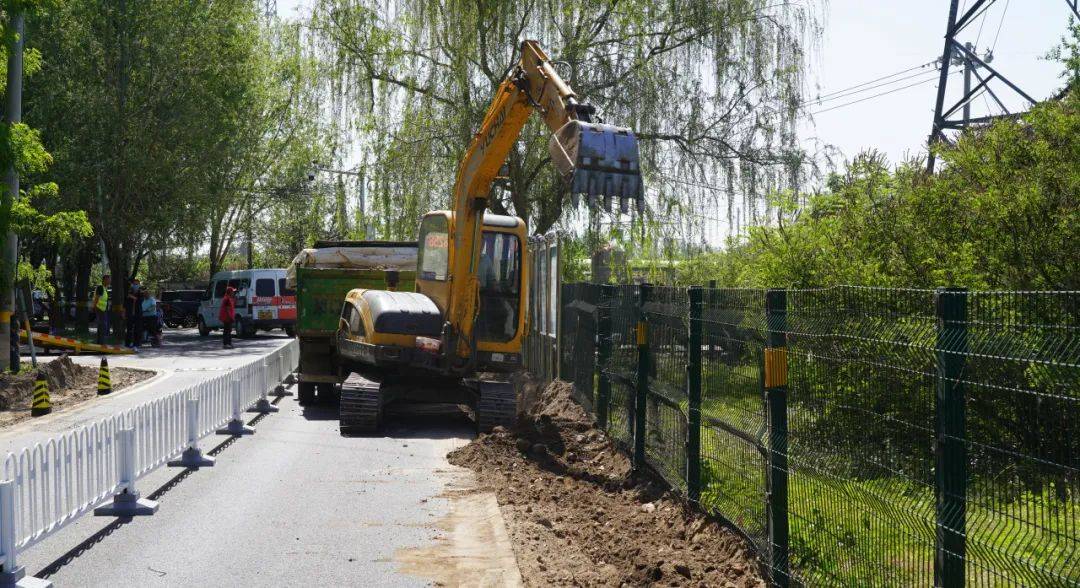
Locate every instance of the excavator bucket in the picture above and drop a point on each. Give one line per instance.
(600, 161)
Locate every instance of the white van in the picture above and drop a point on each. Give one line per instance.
(263, 301)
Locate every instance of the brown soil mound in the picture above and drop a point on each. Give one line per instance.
(69, 384)
(579, 516)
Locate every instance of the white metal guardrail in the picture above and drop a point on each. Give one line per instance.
(49, 485)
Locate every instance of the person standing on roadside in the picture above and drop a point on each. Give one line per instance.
(227, 315)
(101, 307)
(131, 311)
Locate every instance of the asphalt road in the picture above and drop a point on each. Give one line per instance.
(296, 504)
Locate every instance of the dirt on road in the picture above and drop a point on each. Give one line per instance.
(579, 516)
(70, 384)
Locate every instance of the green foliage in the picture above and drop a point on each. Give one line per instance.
(40, 278)
(1002, 213)
(712, 88)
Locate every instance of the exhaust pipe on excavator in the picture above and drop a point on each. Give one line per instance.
(600, 161)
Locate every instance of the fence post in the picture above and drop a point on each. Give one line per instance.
(284, 372)
(776, 399)
(950, 451)
(642, 396)
(263, 406)
(693, 394)
(126, 503)
(192, 457)
(236, 424)
(603, 353)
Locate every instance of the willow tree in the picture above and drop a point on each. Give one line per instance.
(711, 86)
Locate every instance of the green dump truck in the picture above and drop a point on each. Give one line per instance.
(322, 276)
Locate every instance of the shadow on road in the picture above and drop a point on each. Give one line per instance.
(427, 421)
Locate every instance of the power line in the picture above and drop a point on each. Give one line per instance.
(1000, 22)
(820, 101)
(878, 95)
(892, 75)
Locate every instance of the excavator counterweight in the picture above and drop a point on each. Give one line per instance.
(599, 161)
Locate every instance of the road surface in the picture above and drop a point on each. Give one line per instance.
(295, 504)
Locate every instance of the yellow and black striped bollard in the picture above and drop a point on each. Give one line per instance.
(41, 405)
(104, 380)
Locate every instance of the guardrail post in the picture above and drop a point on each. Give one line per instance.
(263, 405)
(603, 353)
(282, 372)
(693, 394)
(11, 573)
(776, 400)
(950, 451)
(126, 503)
(236, 424)
(192, 457)
(642, 396)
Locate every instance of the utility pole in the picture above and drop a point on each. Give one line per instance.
(11, 241)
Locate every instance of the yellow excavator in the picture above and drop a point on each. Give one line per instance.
(458, 336)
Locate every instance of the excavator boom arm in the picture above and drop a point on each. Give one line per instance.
(598, 160)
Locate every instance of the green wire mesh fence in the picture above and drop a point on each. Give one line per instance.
(927, 437)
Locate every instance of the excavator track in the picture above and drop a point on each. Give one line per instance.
(361, 407)
(497, 406)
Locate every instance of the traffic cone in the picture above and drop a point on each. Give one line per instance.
(104, 380)
(41, 405)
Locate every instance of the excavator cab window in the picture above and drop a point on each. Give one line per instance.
(434, 254)
(500, 285)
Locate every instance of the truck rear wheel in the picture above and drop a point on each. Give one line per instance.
(290, 331)
(306, 393)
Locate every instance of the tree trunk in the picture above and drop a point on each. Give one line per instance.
(56, 308)
(82, 288)
(119, 265)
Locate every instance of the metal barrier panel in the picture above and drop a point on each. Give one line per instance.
(667, 315)
(621, 305)
(1021, 384)
(861, 480)
(733, 420)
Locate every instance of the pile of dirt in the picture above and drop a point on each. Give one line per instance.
(579, 515)
(69, 384)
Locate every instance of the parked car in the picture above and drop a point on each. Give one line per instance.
(263, 302)
(180, 307)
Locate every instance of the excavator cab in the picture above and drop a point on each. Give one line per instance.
(600, 161)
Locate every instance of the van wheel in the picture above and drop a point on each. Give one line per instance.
(204, 331)
(290, 331)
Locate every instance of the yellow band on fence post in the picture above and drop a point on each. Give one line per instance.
(5, 315)
(775, 367)
(642, 332)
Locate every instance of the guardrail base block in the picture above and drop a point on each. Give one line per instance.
(21, 580)
(127, 504)
(236, 428)
(192, 458)
(263, 406)
(280, 390)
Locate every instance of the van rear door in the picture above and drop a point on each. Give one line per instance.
(264, 299)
